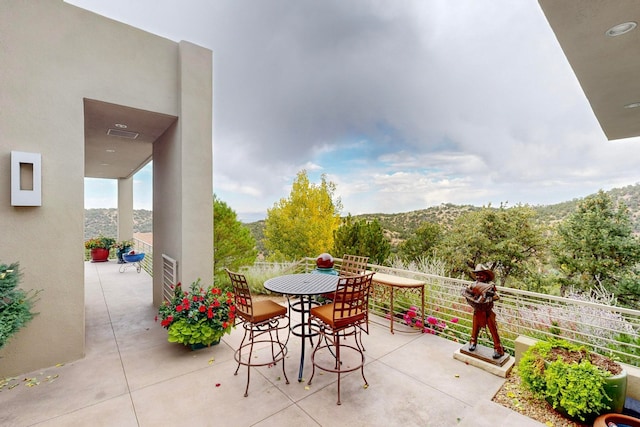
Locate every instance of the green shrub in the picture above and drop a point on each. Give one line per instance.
(15, 303)
(576, 387)
(562, 373)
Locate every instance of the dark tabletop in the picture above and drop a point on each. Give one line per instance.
(302, 284)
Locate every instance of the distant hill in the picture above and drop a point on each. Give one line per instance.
(398, 226)
(105, 222)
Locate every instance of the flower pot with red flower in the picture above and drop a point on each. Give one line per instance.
(199, 317)
(99, 248)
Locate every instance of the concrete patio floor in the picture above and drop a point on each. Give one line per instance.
(131, 376)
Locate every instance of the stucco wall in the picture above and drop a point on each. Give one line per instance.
(53, 55)
(178, 177)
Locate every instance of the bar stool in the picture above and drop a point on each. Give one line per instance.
(346, 316)
(261, 321)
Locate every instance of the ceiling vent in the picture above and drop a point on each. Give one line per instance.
(122, 133)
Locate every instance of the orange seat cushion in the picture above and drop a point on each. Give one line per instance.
(264, 310)
(325, 314)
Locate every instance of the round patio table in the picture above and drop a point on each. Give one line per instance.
(304, 286)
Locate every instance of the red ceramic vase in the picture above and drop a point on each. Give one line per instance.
(99, 255)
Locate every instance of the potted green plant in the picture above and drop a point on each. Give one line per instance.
(122, 247)
(198, 317)
(99, 247)
(578, 383)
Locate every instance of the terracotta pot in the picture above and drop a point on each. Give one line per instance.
(618, 419)
(99, 255)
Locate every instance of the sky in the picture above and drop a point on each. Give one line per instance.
(404, 105)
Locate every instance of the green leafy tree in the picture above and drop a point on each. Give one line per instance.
(303, 224)
(233, 244)
(596, 248)
(507, 240)
(422, 243)
(362, 238)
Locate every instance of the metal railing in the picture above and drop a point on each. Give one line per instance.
(609, 330)
(147, 262)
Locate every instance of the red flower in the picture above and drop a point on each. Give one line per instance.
(179, 308)
(210, 313)
(195, 298)
(202, 308)
(225, 325)
(232, 308)
(216, 303)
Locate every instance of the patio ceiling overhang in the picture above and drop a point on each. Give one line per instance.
(118, 139)
(608, 68)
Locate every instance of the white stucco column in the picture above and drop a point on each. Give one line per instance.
(125, 208)
(183, 176)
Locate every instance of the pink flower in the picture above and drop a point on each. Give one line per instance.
(407, 319)
(454, 320)
(432, 320)
(419, 324)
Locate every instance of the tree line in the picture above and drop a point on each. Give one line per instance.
(592, 248)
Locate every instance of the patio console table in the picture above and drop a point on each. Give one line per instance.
(304, 286)
(387, 284)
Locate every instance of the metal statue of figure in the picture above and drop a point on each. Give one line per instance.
(480, 295)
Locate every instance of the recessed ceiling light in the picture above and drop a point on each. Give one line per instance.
(104, 164)
(120, 125)
(633, 105)
(110, 150)
(620, 29)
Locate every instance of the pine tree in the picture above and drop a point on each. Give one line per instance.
(596, 248)
(233, 244)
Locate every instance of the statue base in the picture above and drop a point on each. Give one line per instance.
(484, 353)
(482, 358)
